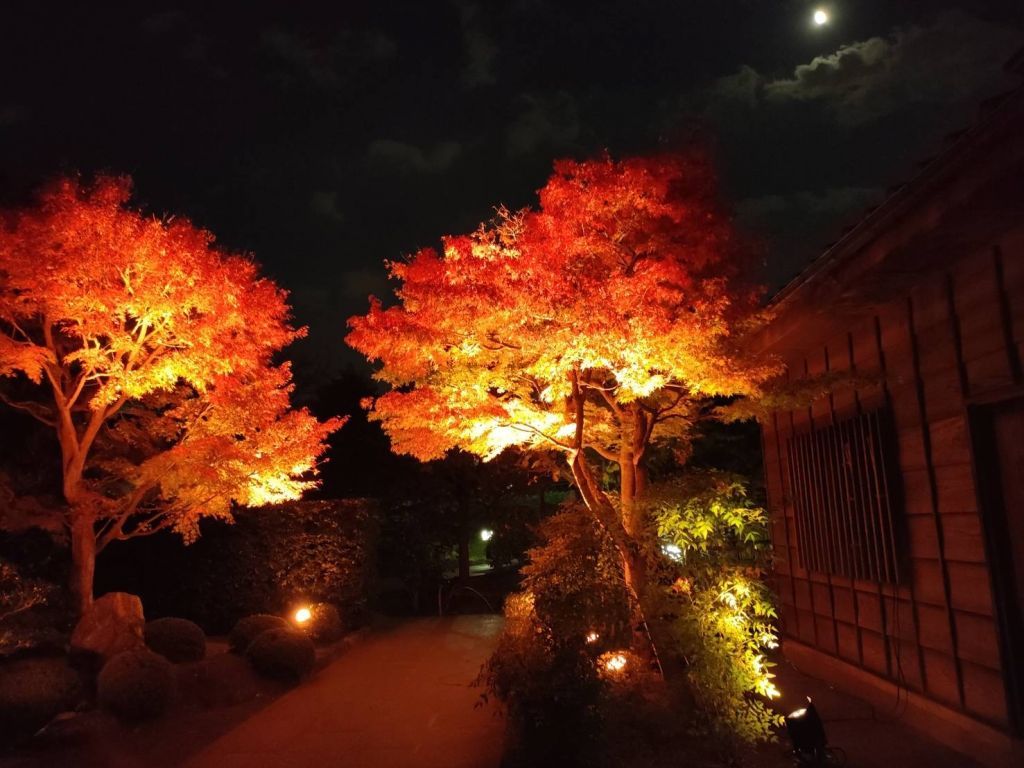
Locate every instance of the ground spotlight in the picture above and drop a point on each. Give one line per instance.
(807, 734)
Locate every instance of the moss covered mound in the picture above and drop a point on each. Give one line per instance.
(136, 685)
(177, 640)
(247, 629)
(284, 654)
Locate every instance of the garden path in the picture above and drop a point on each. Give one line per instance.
(399, 697)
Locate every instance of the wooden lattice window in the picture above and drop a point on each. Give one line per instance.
(844, 492)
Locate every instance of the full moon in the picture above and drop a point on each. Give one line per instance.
(820, 17)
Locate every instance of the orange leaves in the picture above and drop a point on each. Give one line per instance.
(628, 273)
(117, 308)
(134, 302)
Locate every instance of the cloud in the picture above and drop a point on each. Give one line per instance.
(401, 157)
(481, 50)
(759, 212)
(955, 58)
(325, 205)
(549, 121)
(326, 65)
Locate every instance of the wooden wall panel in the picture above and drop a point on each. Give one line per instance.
(952, 340)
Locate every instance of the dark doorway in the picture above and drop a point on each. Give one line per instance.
(999, 462)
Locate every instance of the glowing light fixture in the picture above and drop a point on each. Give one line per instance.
(807, 733)
(820, 17)
(486, 534)
(592, 637)
(303, 615)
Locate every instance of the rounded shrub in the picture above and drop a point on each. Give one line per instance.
(177, 640)
(284, 654)
(324, 624)
(248, 628)
(136, 685)
(32, 692)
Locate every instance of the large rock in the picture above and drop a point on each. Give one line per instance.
(112, 625)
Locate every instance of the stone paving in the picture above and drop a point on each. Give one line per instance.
(400, 698)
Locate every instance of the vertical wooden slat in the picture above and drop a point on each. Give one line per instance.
(841, 482)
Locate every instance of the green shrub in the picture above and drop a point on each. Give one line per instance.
(249, 628)
(544, 670)
(32, 692)
(136, 685)
(321, 551)
(325, 625)
(177, 640)
(284, 654)
(716, 613)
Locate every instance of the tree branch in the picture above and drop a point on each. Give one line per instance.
(35, 410)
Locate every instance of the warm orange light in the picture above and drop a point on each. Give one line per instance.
(616, 662)
(592, 637)
(303, 615)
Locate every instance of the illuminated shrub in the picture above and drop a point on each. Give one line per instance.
(718, 615)
(32, 692)
(250, 627)
(284, 654)
(136, 685)
(177, 640)
(544, 670)
(325, 625)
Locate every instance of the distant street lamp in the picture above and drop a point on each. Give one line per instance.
(486, 534)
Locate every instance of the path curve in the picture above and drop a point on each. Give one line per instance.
(399, 698)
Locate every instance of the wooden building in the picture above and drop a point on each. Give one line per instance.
(897, 501)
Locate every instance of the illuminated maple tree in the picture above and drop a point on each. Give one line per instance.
(599, 323)
(148, 351)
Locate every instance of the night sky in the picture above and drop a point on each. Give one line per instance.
(326, 139)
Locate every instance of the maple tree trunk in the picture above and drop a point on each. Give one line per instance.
(80, 516)
(83, 560)
(634, 570)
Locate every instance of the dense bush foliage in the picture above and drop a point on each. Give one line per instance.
(545, 669)
(324, 625)
(576, 578)
(709, 610)
(136, 685)
(285, 654)
(32, 692)
(270, 559)
(177, 640)
(716, 614)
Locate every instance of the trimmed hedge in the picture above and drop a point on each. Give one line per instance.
(284, 654)
(177, 640)
(325, 624)
(249, 628)
(267, 561)
(136, 685)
